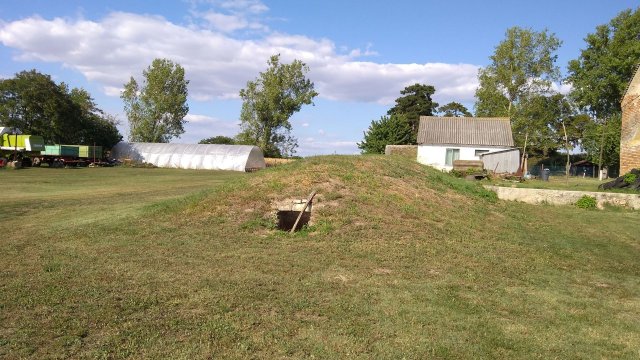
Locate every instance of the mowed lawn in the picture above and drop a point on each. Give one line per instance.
(572, 183)
(401, 261)
(45, 197)
(559, 183)
(56, 224)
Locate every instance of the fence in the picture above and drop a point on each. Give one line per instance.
(560, 170)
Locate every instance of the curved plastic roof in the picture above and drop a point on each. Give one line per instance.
(192, 156)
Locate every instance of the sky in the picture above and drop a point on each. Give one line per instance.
(361, 54)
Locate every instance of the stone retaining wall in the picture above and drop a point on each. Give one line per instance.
(564, 197)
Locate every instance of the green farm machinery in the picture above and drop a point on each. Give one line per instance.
(30, 150)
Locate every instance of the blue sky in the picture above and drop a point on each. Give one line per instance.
(361, 53)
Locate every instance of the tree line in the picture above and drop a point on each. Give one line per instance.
(156, 108)
(519, 84)
(33, 103)
(400, 125)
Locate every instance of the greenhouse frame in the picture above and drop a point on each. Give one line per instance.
(192, 156)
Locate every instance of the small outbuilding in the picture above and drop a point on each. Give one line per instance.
(584, 168)
(192, 156)
(442, 140)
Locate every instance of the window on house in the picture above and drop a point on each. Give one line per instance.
(480, 152)
(452, 154)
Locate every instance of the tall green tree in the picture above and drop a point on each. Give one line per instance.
(156, 110)
(539, 123)
(599, 78)
(268, 103)
(32, 102)
(389, 130)
(601, 141)
(98, 127)
(520, 75)
(522, 65)
(220, 139)
(453, 109)
(415, 102)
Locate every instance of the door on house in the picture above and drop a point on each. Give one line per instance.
(452, 154)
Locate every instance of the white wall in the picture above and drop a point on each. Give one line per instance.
(502, 162)
(435, 155)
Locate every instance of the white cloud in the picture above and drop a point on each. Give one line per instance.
(311, 146)
(208, 120)
(225, 23)
(199, 127)
(251, 6)
(218, 64)
(112, 90)
(563, 88)
(231, 16)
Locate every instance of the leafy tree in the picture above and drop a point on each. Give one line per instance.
(522, 65)
(453, 109)
(522, 69)
(544, 120)
(599, 78)
(389, 130)
(220, 139)
(156, 110)
(416, 102)
(268, 103)
(601, 141)
(102, 131)
(32, 102)
(490, 98)
(97, 127)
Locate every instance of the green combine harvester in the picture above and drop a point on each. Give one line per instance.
(17, 146)
(30, 150)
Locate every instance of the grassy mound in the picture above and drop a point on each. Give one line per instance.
(400, 261)
(354, 194)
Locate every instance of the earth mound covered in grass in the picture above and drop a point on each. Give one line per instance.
(354, 194)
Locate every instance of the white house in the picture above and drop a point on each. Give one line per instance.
(441, 140)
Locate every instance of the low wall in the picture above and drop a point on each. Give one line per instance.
(564, 197)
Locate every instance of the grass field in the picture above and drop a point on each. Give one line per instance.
(400, 261)
(574, 183)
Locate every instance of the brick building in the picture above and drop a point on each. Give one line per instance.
(630, 134)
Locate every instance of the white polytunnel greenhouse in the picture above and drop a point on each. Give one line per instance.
(192, 156)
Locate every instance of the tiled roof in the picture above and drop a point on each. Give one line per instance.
(484, 131)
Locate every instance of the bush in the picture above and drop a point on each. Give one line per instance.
(630, 178)
(587, 202)
(469, 171)
(457, 173)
